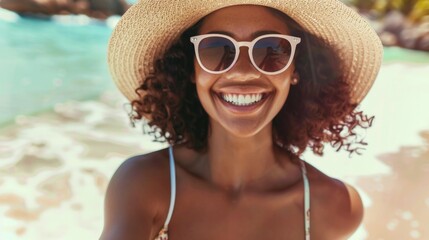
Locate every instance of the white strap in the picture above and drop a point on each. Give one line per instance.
(173, 187)
(306, 201)
(306, 194)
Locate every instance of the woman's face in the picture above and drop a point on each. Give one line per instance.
(243, 23)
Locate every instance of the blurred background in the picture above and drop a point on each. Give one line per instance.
(64, 127)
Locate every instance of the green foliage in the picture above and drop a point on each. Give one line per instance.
(420, 10)
(414, 9)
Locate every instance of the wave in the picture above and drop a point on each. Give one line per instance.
(8, 16)
(71, 19)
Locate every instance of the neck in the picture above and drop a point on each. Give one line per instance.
(234, 163)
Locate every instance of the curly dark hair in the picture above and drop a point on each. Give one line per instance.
(318, 110)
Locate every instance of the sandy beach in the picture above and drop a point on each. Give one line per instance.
(55, 166)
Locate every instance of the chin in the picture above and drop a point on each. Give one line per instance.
(241, 129)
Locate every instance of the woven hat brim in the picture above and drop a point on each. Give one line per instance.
(148, 28)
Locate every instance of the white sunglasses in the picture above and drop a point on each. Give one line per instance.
(271, 53)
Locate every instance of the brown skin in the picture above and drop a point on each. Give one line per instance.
(243, 186)
(138, 197)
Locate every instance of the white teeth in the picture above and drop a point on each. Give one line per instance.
(248, 98)
(242, 99)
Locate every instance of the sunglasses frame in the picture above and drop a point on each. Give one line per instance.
(237, 44)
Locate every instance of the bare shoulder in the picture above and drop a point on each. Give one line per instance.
(336, 207)
(136, 197)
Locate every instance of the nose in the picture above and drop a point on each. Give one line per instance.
(243, 68)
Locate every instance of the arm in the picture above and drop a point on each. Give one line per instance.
(337, 209)
(129, 202)
(346, 212)
(356, 211)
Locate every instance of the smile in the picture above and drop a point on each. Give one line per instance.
(242, 99)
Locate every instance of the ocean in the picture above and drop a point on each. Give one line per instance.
(47, 61)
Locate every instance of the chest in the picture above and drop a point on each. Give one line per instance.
(204, 214)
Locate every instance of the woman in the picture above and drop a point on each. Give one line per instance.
(239, 90)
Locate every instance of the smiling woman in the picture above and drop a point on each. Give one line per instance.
(239, 90)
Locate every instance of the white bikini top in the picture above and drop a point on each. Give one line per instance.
(163, 234)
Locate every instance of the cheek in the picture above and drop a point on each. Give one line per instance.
(201, 77)
(288, 75)
(285, 93)
(283, 84)
(283, 87)
(204, 82)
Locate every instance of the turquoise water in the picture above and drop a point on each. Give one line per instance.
(396, 54)
(48, 61)
(44, 62)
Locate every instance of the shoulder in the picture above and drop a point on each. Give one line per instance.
(336, 207)
(137, 196)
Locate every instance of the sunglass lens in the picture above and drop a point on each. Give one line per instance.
(272, 54)
(216, 53)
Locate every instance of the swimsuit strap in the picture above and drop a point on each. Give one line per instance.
(306, 201)
(173, 187)
(173, 195)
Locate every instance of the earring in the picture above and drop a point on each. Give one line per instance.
(295, 79)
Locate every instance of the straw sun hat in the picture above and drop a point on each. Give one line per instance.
(150, 27)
